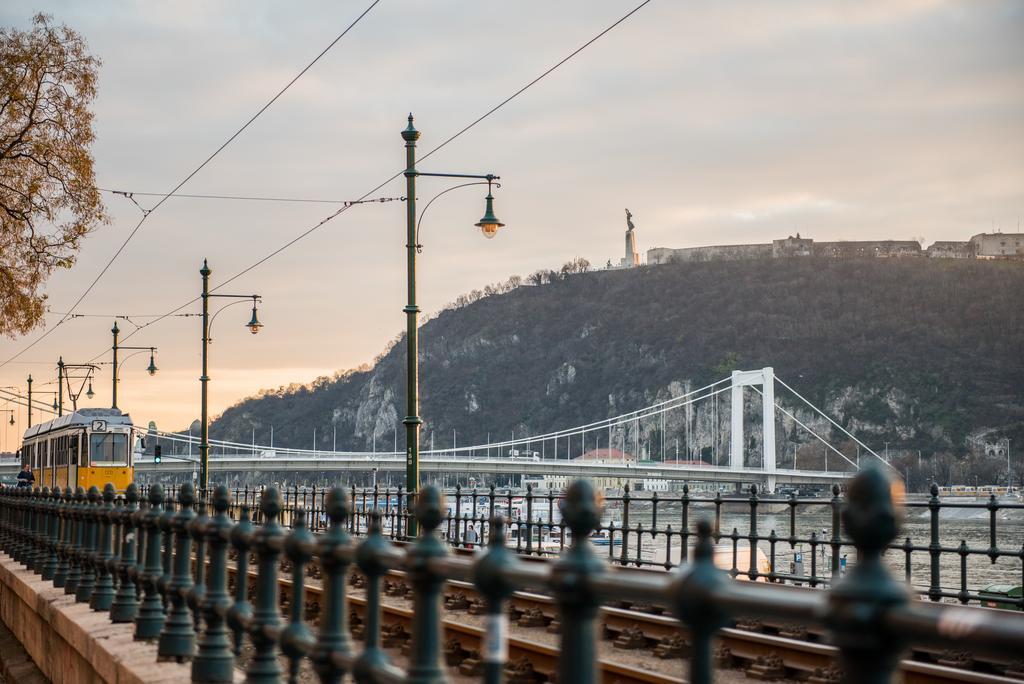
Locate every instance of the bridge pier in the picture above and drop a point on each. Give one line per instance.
(765, 377)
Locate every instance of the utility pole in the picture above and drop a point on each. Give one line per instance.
(113, 402)
(30, 411)
(60, 386)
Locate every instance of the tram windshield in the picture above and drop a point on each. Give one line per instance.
(108, 447)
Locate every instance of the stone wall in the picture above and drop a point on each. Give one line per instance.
(663, 255)
(787, 247)
(69, 642)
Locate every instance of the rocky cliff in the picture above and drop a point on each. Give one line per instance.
(922, 353)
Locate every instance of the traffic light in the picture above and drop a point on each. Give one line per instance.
(157, 451)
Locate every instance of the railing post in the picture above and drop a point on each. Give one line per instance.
(125, 605)
(836, 542)
(150, 620)
(214, 661)
(334, 559)
(87, 582)
(752, 534)
(268, 541)
(296, 639)
(14, 534)
(60, 574)
(52, 534)
(42, 530)
(76, 535)
(167, 536)
(868, 653)
(693, 594)
(240, 613)
(33, 531)
(103, 595)
(624, 554)
(488, 574)
(934, 545)
(368, 559)
(177, 640)
(25, 548)
(138, 569)
(570, 580)
(425, 656)
(197, 530)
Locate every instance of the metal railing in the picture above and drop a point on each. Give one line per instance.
(165, 567)
(653, 531)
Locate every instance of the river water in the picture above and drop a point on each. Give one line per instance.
(981, 571)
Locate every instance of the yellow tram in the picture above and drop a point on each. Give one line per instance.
(91, 446)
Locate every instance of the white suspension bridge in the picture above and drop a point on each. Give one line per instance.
(609, 448)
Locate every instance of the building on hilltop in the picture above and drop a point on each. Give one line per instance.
(981, 246)
(949, 249)
(997, 246)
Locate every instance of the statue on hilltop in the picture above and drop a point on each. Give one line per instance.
(632, 258)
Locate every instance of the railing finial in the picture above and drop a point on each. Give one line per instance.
(429, 509)
(872, 517)
(581, 510)
(336, 506)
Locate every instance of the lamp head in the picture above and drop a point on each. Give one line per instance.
(489, 224)
(12, 418)
(254, 324)
(151, 369)
(89, 393)
(54, 404)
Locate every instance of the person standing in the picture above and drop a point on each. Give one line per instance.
(26, 478)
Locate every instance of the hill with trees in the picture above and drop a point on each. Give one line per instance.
(926, 354)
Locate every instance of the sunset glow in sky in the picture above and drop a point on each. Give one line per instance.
(714, 122)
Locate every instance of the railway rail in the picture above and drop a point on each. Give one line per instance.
(180, 569)
(765, 650)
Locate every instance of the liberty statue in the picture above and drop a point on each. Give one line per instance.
(632, 258)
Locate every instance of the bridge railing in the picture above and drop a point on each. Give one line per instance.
(166, 568)
(791, 540)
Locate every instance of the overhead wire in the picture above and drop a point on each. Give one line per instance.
(130, 194)
(437, 148)
(146, 213)
(428, 154)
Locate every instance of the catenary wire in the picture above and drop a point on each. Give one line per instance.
(431, 152)
(147, 212)
(242, 198)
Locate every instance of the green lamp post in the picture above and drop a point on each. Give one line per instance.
(253, 325)
(152, 369)
(489, 226)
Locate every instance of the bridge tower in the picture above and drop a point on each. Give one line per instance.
(765, 378)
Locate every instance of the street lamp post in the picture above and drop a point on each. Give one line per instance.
(151, 369)
(489, 226)
(254, 326)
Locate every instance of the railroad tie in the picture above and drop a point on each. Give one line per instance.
(767, 667)
(825, 675)
(671, 646)
(630, 638)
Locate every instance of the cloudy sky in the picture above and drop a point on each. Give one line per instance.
(714, 122)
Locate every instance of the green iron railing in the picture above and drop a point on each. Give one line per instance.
(165, 566)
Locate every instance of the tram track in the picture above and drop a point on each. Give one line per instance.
(756, 649)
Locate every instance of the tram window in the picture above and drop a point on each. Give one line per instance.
(72, 456)
(108, 447)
